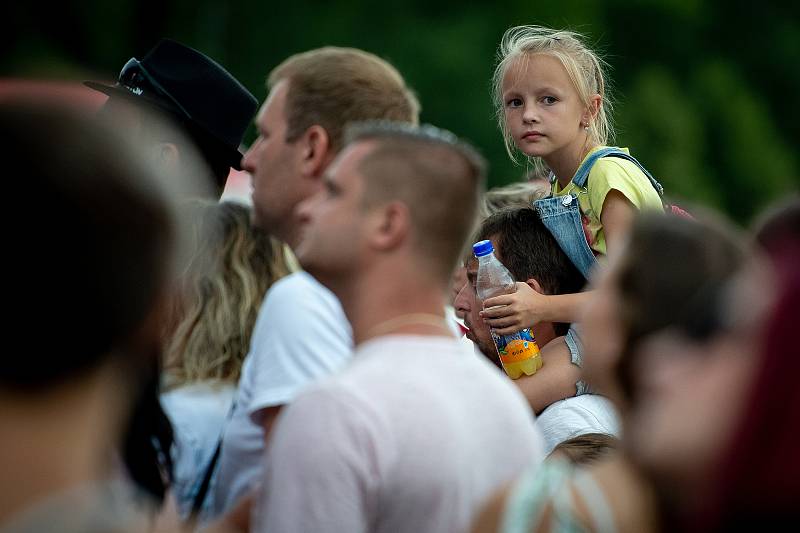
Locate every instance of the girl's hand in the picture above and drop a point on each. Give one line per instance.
(513, 312)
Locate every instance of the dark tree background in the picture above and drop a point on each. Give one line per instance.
(706, 92)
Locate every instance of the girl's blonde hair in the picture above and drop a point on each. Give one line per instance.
(233, 266)
(583, 66)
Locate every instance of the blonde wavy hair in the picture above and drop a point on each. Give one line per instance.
(584, 68)
(223, 285)
(519, 194)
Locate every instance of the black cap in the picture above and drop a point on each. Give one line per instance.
(189, 84)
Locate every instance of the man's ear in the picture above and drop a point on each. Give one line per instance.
(315, 150)
(534, 284)
(168, 156)
(391, 226)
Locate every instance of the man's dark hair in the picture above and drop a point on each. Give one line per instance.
(529, 250)
(587, 449)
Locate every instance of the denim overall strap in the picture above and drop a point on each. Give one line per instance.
(582, 175)
(562, 217)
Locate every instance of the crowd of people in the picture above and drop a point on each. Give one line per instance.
(322, 360)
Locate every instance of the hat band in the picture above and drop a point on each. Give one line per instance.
(133, 75)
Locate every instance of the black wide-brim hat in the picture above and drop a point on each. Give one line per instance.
(192, 86)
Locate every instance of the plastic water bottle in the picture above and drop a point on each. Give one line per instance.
(518, 352)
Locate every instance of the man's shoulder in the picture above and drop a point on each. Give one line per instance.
(414, 359)
(301, 334)
(588, 402)
(586, 411)
(297, 282)
(329, 405)
(301, 300)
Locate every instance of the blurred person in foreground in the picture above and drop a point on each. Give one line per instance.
(90, 291)
(301, 333)
(754, 482)
(779, 226)
(672, 296)
(414, 432)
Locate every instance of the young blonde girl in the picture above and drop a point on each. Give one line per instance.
(550, 94)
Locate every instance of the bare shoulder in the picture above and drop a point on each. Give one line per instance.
(489, 518)
(629, 496)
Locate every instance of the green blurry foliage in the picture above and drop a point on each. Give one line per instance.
(705, 91)
(660, 125)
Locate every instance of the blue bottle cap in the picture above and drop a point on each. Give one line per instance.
(482, 248)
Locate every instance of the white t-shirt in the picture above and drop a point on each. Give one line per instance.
(197, 412)
(579, 415)
(412, 437)
(301, 334)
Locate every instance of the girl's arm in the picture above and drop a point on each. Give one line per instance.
(554, 381)
(616, 217)
(527, 307)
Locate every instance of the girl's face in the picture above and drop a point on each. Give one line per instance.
(542, 109)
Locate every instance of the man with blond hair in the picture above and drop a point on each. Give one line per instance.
(301, 333)
(414, 434)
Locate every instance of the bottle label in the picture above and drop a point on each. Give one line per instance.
(515, 347)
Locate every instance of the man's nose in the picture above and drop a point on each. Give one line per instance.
(247, 159)
(461, 303)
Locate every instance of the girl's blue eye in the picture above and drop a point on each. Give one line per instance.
(514, 102)
(549, 100)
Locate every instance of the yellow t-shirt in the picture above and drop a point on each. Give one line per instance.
(609, 173)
